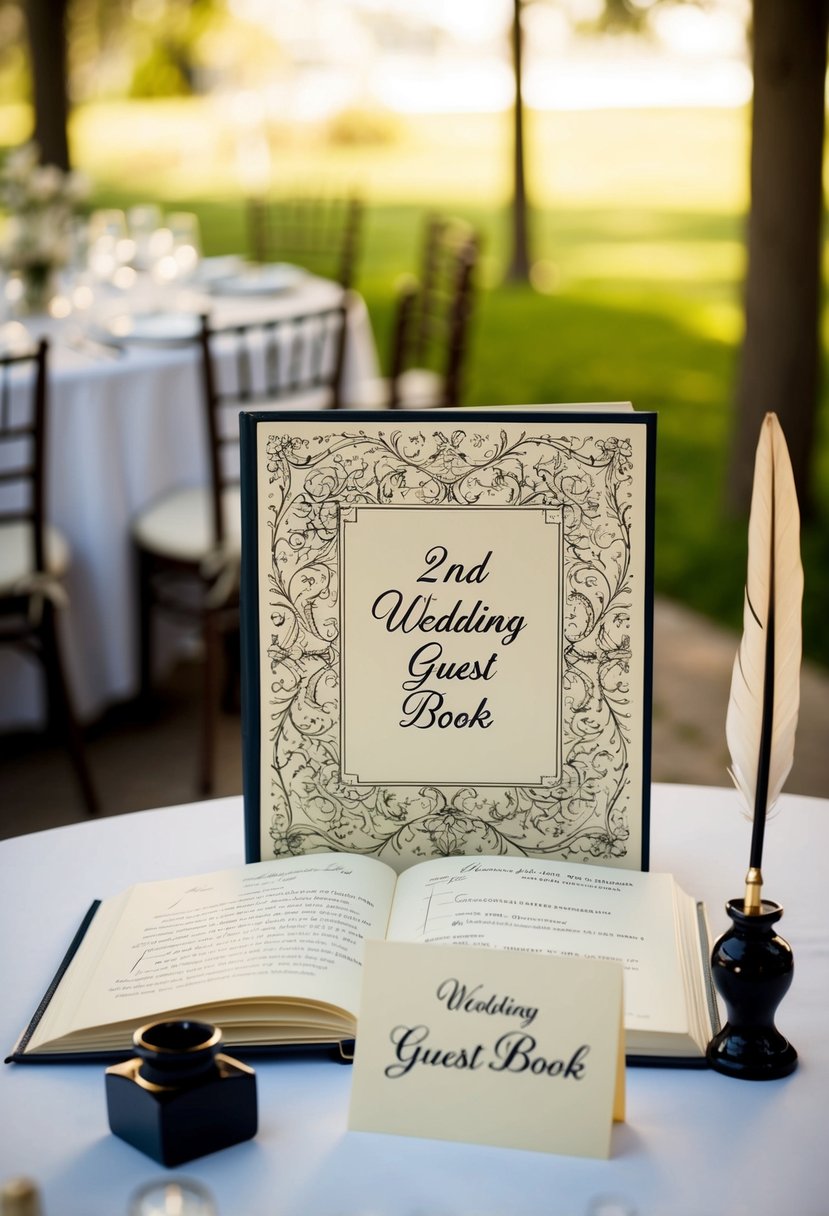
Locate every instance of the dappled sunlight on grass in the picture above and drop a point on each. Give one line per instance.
(653, 158)
(195, 148)
(187, 149)
(720, 320)
(668, 159)
(584, 348)
(655, 261)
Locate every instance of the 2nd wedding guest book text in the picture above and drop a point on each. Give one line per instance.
(424, 706)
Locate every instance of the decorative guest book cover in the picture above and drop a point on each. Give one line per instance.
(446, 633)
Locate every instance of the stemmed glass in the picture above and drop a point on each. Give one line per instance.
(186, 245)
(143, 221)
(13, 334)
(176, 251)
(110, 248)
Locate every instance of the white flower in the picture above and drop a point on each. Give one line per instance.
(46, 184)
(39, 201)
(20, 163)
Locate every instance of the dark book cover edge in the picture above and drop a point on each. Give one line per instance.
(18, 1055)
(249, 636)
(647, 690)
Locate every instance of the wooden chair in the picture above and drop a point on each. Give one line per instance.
(188, 543)
(321, 234)
(430, 332)
(34, 556)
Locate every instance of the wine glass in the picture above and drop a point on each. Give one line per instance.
(110, 248)
(13, 334)
(186, 247)
(143, 221)
(176, 250)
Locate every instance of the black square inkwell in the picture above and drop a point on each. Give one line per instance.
(181, 1097)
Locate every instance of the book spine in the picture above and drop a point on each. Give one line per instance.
(19, 1053)
(249, 639)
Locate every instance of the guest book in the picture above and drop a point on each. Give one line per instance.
(272, 951)
(446, 633)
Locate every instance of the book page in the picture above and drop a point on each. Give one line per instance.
(292, 929)
(553, 908)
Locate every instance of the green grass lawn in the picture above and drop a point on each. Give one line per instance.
(638, 223)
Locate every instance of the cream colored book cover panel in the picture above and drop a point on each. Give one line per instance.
(448, 634)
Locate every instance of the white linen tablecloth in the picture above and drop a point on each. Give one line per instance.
(694, 1144)
(122, 431)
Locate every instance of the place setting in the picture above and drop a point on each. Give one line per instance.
(142, 276)
(120, 280)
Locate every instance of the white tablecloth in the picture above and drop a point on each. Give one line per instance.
(694, 1144)
(121, 432)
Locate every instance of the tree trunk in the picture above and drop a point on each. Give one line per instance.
(519, 268)
(46, 20)
(781, 351)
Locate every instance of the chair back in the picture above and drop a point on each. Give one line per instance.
(296, 362)
(22, 430)
(322, 234)
(432, 322)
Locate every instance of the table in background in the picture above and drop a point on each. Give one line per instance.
(694, 1144)
(123, 430)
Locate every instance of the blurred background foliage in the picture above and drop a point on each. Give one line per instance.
(637, 225)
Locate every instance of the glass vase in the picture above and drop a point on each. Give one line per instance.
(37, 288)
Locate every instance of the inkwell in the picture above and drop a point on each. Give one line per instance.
(181, 1097)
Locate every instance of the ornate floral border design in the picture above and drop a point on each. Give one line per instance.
(586, 815)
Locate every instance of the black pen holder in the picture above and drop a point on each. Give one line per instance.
(181, 1098)
(752, 970)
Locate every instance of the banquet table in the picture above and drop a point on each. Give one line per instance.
(694, 1144)
(126, 426)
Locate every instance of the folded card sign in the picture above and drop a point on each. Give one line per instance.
(493, 1047)
(446, 633)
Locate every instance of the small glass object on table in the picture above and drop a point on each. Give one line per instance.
(173, 1197)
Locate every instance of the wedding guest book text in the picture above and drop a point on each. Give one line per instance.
(272, 952)
(489, 1046)
(446, 631)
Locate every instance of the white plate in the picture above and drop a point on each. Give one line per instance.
(260, 280)
(156, 326)
(212, 270)
(15, 339)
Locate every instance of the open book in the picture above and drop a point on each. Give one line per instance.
(271, 952)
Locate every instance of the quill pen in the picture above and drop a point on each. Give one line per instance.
(765, 684)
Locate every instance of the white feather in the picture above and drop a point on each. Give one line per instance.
(773, 561)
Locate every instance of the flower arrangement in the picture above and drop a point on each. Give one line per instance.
(39, 201)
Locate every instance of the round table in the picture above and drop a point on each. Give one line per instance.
(125, 426)
(694, 1144)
